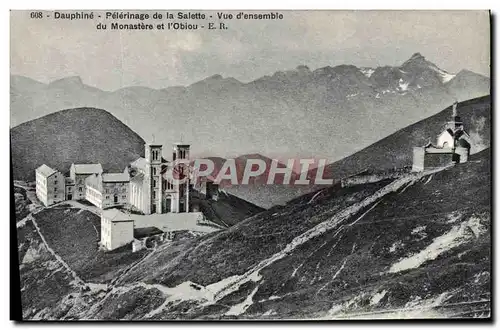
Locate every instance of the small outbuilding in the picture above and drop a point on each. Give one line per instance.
(117, 229)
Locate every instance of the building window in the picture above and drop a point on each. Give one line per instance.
(55, 181)
(107, 197)
(156, 154)
(69, 188)
(154, 194)
(55, 196)
(154, 170)
(80, 189)
(154, 183)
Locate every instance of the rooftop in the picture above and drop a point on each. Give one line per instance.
(87, 168)
(45, 170)
(115, 177)
(94, 181)
(116, 215)
(140, 163)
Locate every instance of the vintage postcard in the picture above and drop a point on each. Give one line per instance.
(250, 165)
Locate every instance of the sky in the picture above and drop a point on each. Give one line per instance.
(49, 49)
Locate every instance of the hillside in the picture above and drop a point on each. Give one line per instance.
(83, 135)
(328, 112)
(257, 190)
(227, 210)
(396, 150)
(415, 247)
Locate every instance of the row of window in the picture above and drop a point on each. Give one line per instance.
(108, 191)
(156, 155)
(94, 193)
(182, 154)
(123, 196)
(43, 195)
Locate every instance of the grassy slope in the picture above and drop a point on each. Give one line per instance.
(83, 135)
(59, 226)
(347, 266)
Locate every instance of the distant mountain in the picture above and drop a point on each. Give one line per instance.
(328, 112)
(83, 135)
(396, 150)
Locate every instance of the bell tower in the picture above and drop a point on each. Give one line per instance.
(456, 123)
(153, 155)
(181, 152)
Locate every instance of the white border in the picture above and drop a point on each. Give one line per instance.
(190, 4)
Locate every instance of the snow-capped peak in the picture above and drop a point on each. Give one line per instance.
(367, 71)
(445, 76)
(403, 86)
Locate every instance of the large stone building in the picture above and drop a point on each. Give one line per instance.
(150, 191)
(50, 185)
(78, 173)
(453, 146)
(143, 184)
(107, 189)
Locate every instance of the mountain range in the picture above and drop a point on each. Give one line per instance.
(330, 112)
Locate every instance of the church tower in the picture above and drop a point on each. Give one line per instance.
(153, 182)
(456, 123)
(181, 200)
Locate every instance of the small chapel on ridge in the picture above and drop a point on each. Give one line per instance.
(453, 146)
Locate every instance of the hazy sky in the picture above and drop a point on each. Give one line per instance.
(49, 49)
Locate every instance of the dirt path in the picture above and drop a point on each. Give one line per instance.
(78, 281)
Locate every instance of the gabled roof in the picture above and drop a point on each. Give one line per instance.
(94, 181)
(139, 177)
(457, 134)
(463, 134)
(446, 131)
(45, 170)
(429, 145)
(140, 163)
(115, 215)
(115, 177)
(87, 168)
